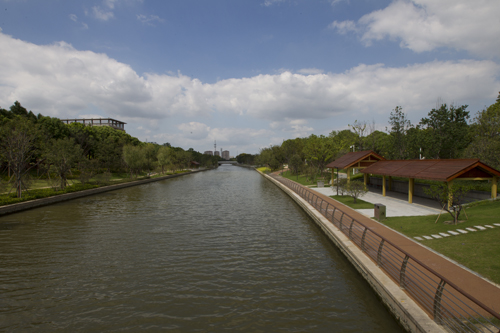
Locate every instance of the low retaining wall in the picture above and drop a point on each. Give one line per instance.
(14, 208)
(406, 311)
(402, 187)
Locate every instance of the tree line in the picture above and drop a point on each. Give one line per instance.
(447, 132)
(41, 146)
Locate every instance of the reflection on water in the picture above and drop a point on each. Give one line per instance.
(217, 250)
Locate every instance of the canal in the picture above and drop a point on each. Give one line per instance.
(222, 250)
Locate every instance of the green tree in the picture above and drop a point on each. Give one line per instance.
(20, 144)
(62, 155)
(356, 189)
(295, 164)
(163, 157)
(446, 132)
(400, 124)
(292, 147)
(359, 129)
(485, 134)
(53, 128)
(451, 198)
(134, 157)
(150, 152)
(341, 141)
(319, 152)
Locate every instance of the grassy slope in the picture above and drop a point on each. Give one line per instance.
(40, 188)
(479, 251)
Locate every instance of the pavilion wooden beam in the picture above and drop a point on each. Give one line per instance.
(494, 187)
(411, 187)
(383, 186)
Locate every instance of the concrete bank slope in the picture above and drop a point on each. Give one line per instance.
(406, 311)
(18, 207)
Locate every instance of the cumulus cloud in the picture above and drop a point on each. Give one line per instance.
(228, 138)
(194, 130)
(309, 71)
(59, 80)
(295, 127)
(425, 25)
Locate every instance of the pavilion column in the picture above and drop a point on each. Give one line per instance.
(349, 175)
(383, 186)
(494, 187)
(390, 183)
(366, 179)
(411, 186)
(450, 197)
(333, 176)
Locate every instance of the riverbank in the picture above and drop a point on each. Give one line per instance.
(396, 273)
(405, 310)
(18, 207)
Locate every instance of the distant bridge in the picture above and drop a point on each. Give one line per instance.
(227, 162)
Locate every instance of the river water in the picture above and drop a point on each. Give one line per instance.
(222, 250)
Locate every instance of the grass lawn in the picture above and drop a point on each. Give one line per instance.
(479, 251)
(349, 201)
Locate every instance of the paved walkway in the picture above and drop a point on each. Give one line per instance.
(396, 203)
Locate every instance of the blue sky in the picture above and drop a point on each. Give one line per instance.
(247, 73)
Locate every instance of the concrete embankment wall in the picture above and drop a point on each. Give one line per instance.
(14, 208)
(406, 311)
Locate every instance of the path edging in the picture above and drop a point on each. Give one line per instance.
(405, 310)
(21, 206)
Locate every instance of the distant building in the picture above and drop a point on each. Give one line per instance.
(216, 153)
(209, 152)
(116, 124)
(225, 154)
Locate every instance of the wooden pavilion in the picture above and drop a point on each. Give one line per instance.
(446, 170)
(355, 160)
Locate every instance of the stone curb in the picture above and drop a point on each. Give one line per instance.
(405, 310)
(18, 207)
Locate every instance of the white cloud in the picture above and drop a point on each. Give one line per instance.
(228, 138)
(194, 130)
(74, 18)
(102, 14)
(149, 19)
(295, 127)
(309, 71)
(58, 80)
(343, 27)
(425, 25)
(268, 3)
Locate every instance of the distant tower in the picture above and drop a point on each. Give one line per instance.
(215, 145)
